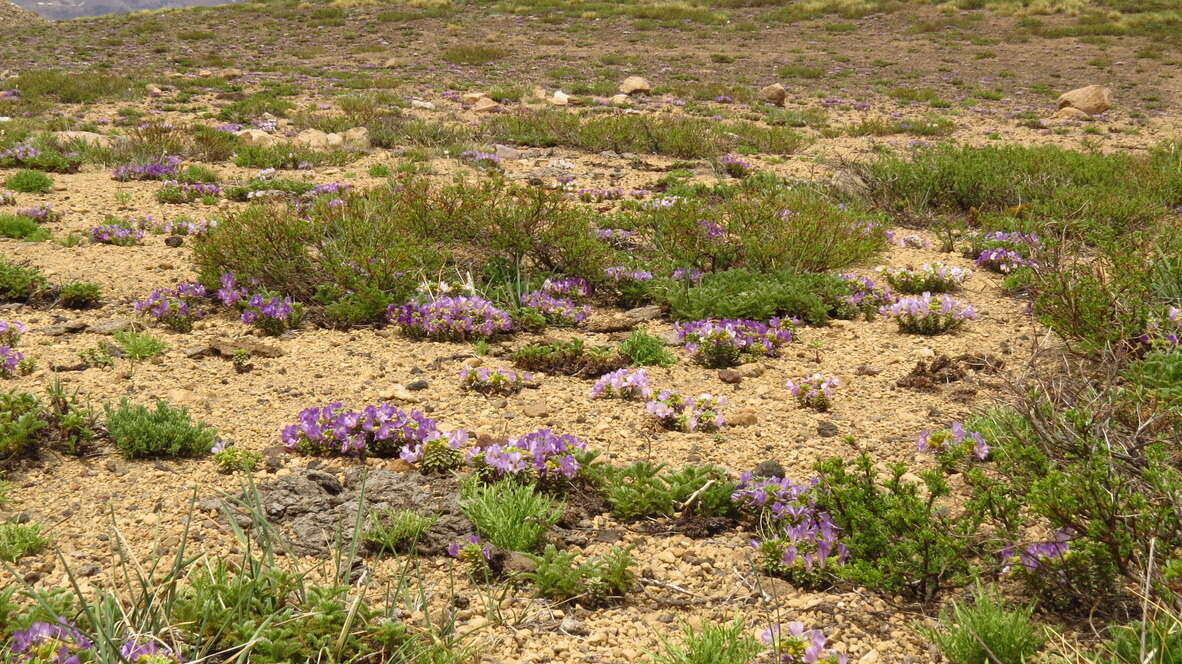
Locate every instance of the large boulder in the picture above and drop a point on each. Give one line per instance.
(635, 85)
(774, 94)
(256, 137)
(1093, 99)
(88, 138)
(313, 139)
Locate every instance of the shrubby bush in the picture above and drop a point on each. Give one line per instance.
(164, 432)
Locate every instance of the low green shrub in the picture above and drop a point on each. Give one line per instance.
(289, 157)
(747, 294)
(557, 577)
(569, 358)
(511, 515)
(139, 346)
(27, 425)
(138, 432)
(397, 530)
(645, 350)
(80, 295)
(29, 182)
(19, 283)
(986, 631)
(22, 228)
(18, 540)
(712, 644)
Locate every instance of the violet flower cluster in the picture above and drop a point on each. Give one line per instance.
(1003, 260)
(571, 287)
(954, 442)
(865, 295)
(797, 541)
(724, 342)
(42, 214)
(557, 311)
(791, 643)
(45, 643)
(690, 274)
(480, 159)
(923, 314)
(175, 192)
(10, 361)
(158, 170)
(612, 194)
(378, 431)
(1165, 331)
(273, 314)
(10, 332)
(115, 234)
(929, 277)
(621, 274)
(19, 153)
(687, 414)
(175, 308)
(187, 227)
(814, 392)
(493, 381)
(734, 166)
(629, 384)
(616, 237)
(1036, 555)
(541, 454)
(448, 318)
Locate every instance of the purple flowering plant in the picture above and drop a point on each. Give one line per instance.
(568, 287)
(923, 314)
(493, 381)
(556, 311)
(1003, 260)
(734, 166)
(375, 431)
(727, 342)
(797, 541)
(173, 192)
(116, 234)
(480, 159)
(271, 313)
(865, 298)
(42, 214)
(156, 170)
(450, 318)
(1165, 329)
(10, 332)
(13, 362)
(50, 643)
(929, 278)
(629, 384)
(815, 392)
(791, 643)
(476, 554)
(541, 455)
(175, 308)
(687, 414)
(954, 444)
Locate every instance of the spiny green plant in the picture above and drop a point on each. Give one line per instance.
(22, 228)
(139, 432)
(397, 530)
(29, 182)
(644, 350)
(18, 540)
(986, 631)
(711, 644)
(80, 295)
(511, 515)
(139, 346)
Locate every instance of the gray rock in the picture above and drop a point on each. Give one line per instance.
(417, 385)
(769, 468)
(730, 376)
(174, 241)
(648, 312)
(113, 325)
(826, 429)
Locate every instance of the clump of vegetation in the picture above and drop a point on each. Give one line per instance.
(569, 358)
(236, 459)
(61, 423)
(397, 530)
(645, 350)
(18, 540)
(19, 283)
(22, 228)
(80, 295)
(511, 515)
(29, 182)
(138, 432)
(556, 576)
(986, 631)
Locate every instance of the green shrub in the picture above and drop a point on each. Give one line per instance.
(26, 424)
(645, 350)
(237, 460)
(80, 295)
(1053, 185)
(138, 346)
(18, 540)
(681, 136)
(248, 109)
(74, 87)
(19, 283)
(473, 54)
(642, 490)
(747, 294)
(22, 228)
(557, 577)
(511, 515)
(900, 537)
(165, 432)
(397, 530)
(986, 632)
(289, 156)
(242, 192)
(711, 644)
(569, 358)
(30, 182)
(1156, 640)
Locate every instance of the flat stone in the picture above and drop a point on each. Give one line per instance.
(113, 325)
(648, 312)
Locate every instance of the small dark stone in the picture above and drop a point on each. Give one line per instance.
(417, 385)
(826, 429)
(174, 240)
(730, 376)
(89, 569)
(769, 468)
